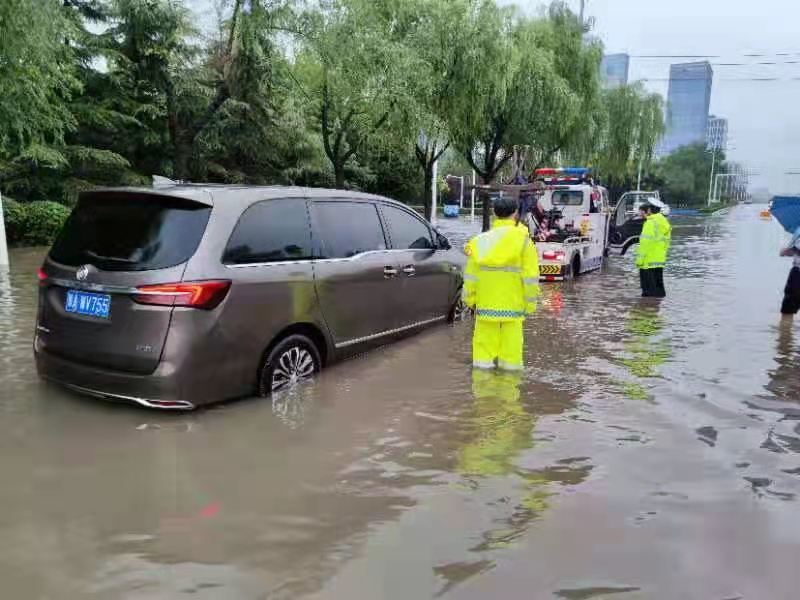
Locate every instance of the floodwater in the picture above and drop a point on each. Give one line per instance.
(648, 451)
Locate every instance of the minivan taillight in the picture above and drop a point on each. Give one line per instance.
(41, 275)
(192, 294)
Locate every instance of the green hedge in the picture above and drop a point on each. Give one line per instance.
(33, 223)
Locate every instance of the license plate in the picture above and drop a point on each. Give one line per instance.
(87, 303)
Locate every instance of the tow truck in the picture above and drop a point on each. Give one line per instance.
(570, 223)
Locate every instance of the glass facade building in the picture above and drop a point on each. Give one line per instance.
(688, 101)
(614, 70)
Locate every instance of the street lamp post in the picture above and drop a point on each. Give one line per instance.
(718, 191)
(434, 191)
(472, 197)
(711, 178)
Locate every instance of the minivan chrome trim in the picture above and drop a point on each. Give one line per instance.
(91, 287)
(177, 404)
(375, 336)
(326, 260)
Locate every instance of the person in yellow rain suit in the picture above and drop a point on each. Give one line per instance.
(501, 284)
(654, 243)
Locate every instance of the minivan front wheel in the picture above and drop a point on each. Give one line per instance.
(292, 360)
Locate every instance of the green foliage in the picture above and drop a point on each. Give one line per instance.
(43, 221)
(344, 93)
(686, 174)
(33, 223)
(571, 127)
(354, 73)
(634, 121)
(34, 82)
(14, 215)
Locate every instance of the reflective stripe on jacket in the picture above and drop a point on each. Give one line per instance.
(501, 279)
(654, 242)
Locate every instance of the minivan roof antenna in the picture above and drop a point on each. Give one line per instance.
(159, 181)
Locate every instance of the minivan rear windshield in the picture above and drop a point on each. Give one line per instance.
(131, 232)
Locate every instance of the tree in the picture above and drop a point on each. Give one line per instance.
(439, 34)
(519, 96)
(633, 125)
(252, 129)
(35, 83)
(686, 173)
(350, 72)
(149, 56)
(571, 130)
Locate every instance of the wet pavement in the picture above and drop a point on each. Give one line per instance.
(648, 451)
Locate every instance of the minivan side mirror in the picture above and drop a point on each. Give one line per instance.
(442, 243)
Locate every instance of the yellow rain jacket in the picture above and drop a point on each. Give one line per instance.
(654, 242)
(501, 279)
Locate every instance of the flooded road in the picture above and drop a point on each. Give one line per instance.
(648, 451)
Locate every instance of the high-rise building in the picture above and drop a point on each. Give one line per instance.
(614, 70)
(717, 136)
(688, 101)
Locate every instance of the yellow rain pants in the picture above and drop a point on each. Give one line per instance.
(497, 343)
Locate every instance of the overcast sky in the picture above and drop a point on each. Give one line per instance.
(764, 116)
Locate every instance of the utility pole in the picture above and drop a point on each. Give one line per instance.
(583, 10)
(639, 178)
(3, 244)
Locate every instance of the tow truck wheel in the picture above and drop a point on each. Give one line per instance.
(575, 267)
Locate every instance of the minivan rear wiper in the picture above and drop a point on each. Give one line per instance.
(115, 259)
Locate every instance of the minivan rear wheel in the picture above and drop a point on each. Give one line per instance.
(292, 360)
(459, 311)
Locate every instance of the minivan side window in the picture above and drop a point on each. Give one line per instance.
(406, 230)
(271, 231)
(348, 228)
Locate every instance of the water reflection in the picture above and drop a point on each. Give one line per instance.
(402, 474)
(643, 351)
(502, 428)
(784, 379)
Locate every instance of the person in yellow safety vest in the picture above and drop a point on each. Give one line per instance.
(501, 284)
(651, 256)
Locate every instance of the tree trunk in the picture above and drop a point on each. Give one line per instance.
(486, 224)
(338, 171)
(486, 212)
(181, 157)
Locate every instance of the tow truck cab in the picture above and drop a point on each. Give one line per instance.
(626, 223)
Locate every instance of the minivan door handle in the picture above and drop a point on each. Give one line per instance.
(389, 272)
(409, 270)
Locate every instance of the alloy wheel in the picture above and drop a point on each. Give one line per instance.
(295, 364)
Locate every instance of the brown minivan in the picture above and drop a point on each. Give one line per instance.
(181, 295)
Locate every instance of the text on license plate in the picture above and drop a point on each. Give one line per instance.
(87, 303)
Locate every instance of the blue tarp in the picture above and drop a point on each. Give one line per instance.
(451, 210)
(786, 210)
